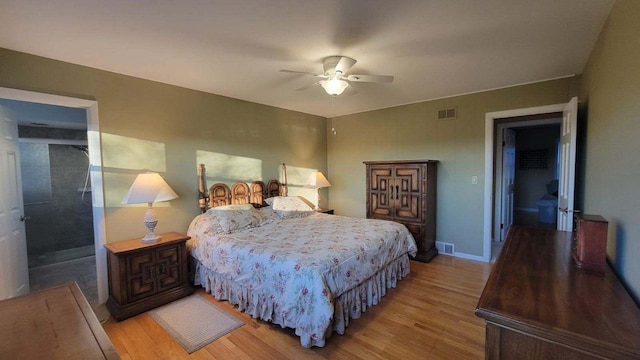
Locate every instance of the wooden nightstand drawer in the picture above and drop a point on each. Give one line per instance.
(143, 276)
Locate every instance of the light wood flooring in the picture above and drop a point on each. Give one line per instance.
(430, 315)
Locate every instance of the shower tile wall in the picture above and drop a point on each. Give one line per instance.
(60, 227)
(72, 214)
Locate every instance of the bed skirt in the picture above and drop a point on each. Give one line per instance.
(348, 305)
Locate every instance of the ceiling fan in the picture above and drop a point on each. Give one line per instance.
(335, 78)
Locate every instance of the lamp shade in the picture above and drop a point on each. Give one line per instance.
(334, 86)
(149, 188)
(317, 180)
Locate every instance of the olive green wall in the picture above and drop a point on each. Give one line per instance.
(611, 99)
(413, 132)
(164, 128)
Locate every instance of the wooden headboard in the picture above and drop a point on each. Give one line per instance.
(240, 193)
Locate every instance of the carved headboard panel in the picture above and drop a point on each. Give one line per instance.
(258, 192)
(240, 193)
(274, 189)
(219, 195)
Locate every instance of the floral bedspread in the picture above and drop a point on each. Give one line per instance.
(289, 271)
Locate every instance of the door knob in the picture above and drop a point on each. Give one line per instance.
(23, 218)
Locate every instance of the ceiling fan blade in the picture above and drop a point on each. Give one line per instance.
(345, 63)
(308, 86)
(301, 72)
(371, 78)
(350, 90)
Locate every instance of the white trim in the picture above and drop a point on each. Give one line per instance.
(490, 119)
(463, 256)
(97, 193)
(42, 98)
(469, 256)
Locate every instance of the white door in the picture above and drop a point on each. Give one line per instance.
(508, 179)
(566, 183)
(14, 272)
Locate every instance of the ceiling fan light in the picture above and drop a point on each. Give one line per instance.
(334, 86)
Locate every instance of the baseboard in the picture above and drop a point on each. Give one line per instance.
(463, 256)
(469, 256)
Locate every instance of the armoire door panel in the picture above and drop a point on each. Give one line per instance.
(405, 192)
(409, 204)
(380, 205)
(409, 178)
(380, 179)
(408, 208)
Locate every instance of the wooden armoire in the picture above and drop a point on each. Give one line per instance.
(405, 191)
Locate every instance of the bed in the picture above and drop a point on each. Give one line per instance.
(290, 265)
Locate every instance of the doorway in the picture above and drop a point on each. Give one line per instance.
(526, 174)
(536, 176)
(493, 162)
(92, 142)
(56, 191)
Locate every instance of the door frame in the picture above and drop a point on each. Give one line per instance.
(499, 231)
(489, 149)
(498, 157)
(97, 193)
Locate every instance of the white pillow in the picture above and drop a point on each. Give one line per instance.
(238, 217)
(231, 207)
(233, 217)
(291, 207)
(261, 216)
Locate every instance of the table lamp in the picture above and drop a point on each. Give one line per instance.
(316, 181)
(148, 188)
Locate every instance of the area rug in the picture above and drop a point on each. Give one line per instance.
(194, 321)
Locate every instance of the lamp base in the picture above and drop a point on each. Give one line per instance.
(151, 238)
(150, 221)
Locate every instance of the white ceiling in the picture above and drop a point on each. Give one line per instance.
(435, 48)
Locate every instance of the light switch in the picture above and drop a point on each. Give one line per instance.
(474, 180)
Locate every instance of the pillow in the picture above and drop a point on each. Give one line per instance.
(290, 203)
(261, 216)
(238, 217)
(269, 201)
(233, 217)
(291, 207)
(266, 211)
(232, 207)
(202, 226)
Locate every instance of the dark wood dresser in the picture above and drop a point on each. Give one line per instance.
(539, 305)
(143, 276)
(55, 323)
(405, 192)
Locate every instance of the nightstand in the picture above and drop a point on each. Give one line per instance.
(144, 276)
(326, 211)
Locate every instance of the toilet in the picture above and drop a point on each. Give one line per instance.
(548, 204)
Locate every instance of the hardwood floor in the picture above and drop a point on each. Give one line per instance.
(430, 315)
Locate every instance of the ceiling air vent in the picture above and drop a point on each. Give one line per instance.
(447, 114)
